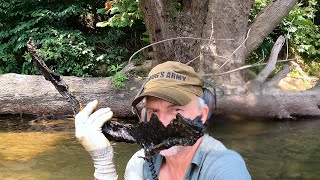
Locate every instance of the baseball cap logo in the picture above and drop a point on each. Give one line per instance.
(168, 75)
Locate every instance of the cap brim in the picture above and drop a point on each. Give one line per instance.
(173, 96)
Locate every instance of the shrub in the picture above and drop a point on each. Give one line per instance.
(69, 42)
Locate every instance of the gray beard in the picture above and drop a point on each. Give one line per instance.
(174, 150)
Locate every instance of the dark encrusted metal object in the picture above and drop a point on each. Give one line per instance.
(153, 136)
(53, 77)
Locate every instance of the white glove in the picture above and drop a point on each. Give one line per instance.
(88, 127)
(88, 132)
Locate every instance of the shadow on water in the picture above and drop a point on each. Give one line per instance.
(47, 149)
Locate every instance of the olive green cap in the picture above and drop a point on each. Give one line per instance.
(174, 82)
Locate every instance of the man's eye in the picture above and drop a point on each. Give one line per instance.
(178, 110)
(152, 111)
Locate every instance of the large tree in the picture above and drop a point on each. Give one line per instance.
(227, 40)
(214, 37)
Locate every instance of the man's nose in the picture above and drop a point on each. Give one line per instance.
(165, 118)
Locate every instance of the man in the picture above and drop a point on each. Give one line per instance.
(172, 88)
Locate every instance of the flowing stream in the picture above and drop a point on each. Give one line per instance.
(47, 149)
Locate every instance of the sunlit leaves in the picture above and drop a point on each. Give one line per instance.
(121, 13)
(304, 34)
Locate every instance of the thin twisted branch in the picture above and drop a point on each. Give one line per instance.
(176, 38)
(245, 67)
(229, 58)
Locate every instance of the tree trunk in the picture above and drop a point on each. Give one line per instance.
(165, 19)
(224, 23)
(34, 95)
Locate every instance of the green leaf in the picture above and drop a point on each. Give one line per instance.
(101, 11)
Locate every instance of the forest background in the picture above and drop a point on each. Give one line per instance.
(96, 38)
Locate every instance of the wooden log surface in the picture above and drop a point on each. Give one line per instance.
(32, 94)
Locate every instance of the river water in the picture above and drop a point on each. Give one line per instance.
(47, 149)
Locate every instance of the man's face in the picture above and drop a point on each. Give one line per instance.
(167, 111)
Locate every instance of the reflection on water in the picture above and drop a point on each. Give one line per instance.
(48, 149)
(19, 148)
(275, 150)
(41, 155)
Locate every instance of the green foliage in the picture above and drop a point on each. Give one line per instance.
(118, 78)
(304, 34)
(115, 68)
(123, 13)
(110, 50)
(177, 5)
(313, 68)
(69, 42)
(22, 19)
(146, 37)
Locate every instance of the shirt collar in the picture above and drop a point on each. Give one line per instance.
(197, 158)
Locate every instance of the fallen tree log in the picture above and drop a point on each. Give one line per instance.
(274, 103)
(31, 94)
(260, 97)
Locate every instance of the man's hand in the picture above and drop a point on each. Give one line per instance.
(88, 132)
(88, 127)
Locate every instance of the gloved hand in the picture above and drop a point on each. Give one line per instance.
(88, 127)
(88, 132)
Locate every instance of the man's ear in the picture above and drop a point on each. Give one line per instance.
(204, 114)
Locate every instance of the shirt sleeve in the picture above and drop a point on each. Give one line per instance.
(134, 169)
(228, 167)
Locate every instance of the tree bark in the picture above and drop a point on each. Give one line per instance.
(226, 24)
(273, 103)
(165, 20)
(34, 95)
(279, 76)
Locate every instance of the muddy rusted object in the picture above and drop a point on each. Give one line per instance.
(53, 77)
(153, 136)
